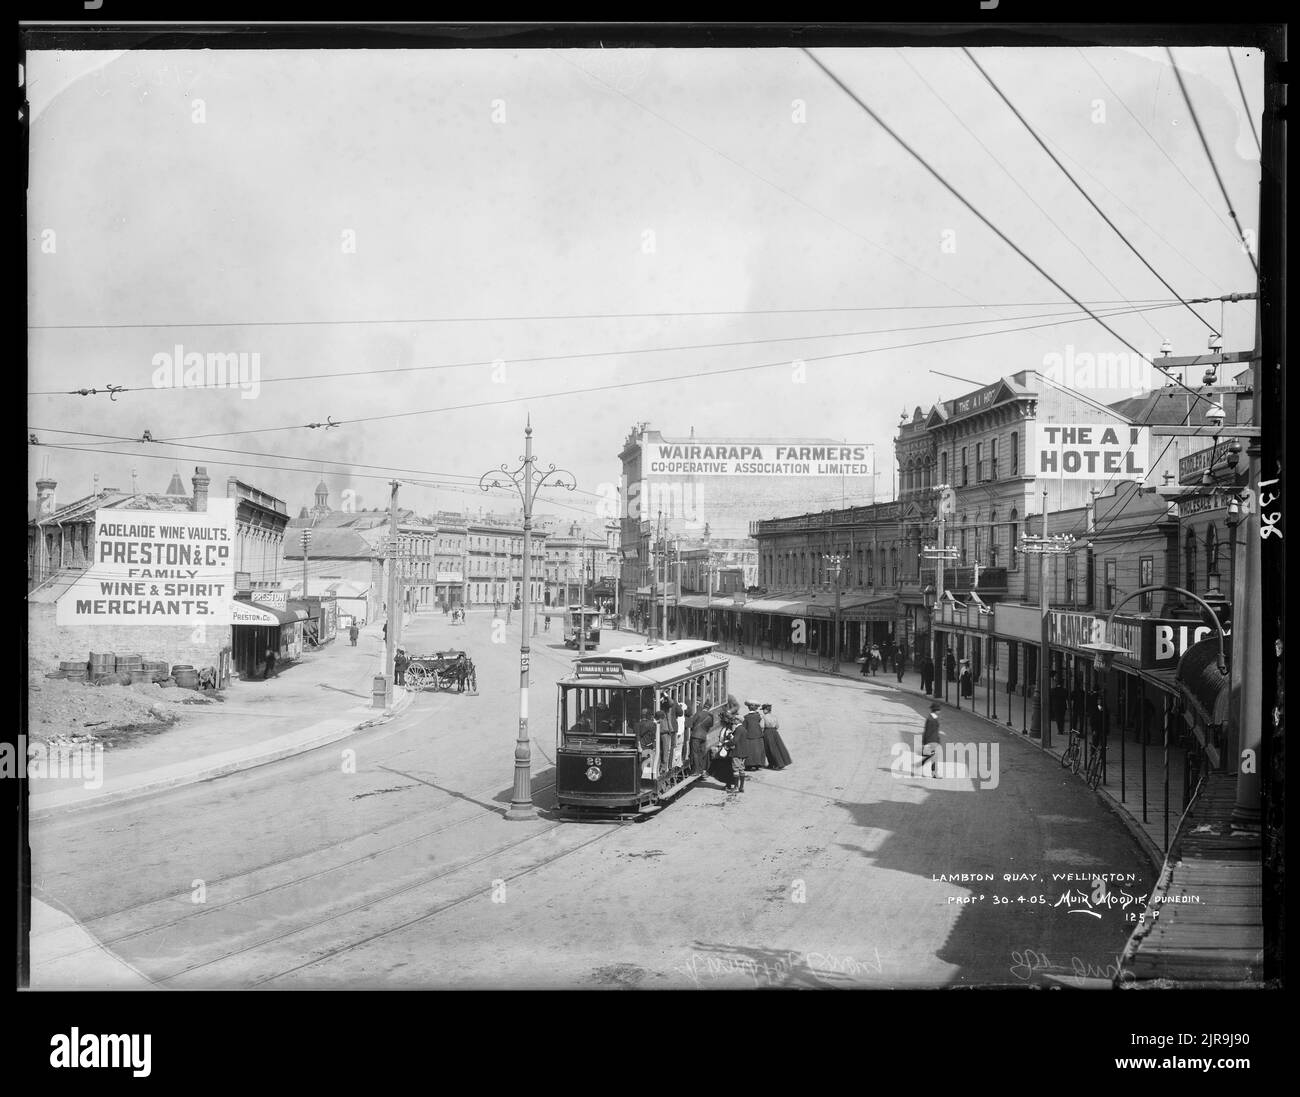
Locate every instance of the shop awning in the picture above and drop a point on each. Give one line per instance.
(254, 613)
(695, 601)
(788, 607)
(1202, 684)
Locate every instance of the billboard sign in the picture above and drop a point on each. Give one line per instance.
(156, 568)
(1091, 451)
(757, 459)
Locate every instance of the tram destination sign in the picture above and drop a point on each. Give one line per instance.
(599, 670)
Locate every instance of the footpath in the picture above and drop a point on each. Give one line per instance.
(317, 700)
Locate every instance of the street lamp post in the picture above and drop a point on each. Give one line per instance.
(836, 562)
(527, 482)
(1056, 545)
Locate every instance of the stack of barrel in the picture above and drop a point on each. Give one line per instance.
(186, 676)
(76, 672)
(103, 664)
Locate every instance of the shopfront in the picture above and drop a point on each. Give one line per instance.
(255, 628)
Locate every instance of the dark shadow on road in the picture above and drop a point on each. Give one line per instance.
(1034, 821)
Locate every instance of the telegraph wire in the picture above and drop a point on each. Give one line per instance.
(989, 224)
(1250, 120)
(1008, 173)
(1194, 188)
(694, 376)
(1214, 167)
(1077, 186)
(574, 316)
(1132, 307)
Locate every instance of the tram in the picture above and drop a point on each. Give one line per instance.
(578, 619)
(601, 770)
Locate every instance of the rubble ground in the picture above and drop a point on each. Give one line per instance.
(62, 711)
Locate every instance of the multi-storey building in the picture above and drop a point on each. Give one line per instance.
(495, 559)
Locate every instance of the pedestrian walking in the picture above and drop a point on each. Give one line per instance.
(270, 664)
(1056, 703)
(875, 659)
(930, 742)
(950, 666)
(865, 661)
(899, 663)
(967, 683)
(927, 673)
(777, 755)
(353, 631)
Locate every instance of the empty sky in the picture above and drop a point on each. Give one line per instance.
(576, 185)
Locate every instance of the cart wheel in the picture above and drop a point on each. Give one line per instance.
(415, 677)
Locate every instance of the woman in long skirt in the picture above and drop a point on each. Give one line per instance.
(777, 756)
(755, 752)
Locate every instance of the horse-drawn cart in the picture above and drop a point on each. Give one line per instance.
(442, 670)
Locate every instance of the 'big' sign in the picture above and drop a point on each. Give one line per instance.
(1092, 451)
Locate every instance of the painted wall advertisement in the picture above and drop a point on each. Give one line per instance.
(156, 568)
(1091, 451)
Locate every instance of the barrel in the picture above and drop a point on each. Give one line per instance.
(101, 663)
(186, 677)
(128, 663)
(158, 669)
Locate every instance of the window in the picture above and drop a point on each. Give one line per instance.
(979, 461)
(1110, 584)
(1211, 557)
(1189, 562)
(1015, 537)
(993, 537)
(1070, 576)
(943, 468)
(1015, 453)
(1146, 573)
(993, 459)
(965, 470)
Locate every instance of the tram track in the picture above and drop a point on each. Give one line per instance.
(388, 896)
(229, 904)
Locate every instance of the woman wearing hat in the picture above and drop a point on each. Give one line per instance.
(754, 752)
(777, 756)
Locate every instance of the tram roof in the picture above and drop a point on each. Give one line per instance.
(647, 664)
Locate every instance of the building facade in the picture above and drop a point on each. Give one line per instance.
(495, 563)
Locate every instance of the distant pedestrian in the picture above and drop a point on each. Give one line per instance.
(899, 663)
(967, 683)
(270, 664)
(864, 661)
(950, 666)
(754, 749)
(1056, 705)
(353, 632)
(700, 726)
(385, 632)
(930, 742)
(400, 663)
(927, 673)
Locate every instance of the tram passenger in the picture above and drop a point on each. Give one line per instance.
(669, 710)
(701, 727)
(646, 730)
(582, 728)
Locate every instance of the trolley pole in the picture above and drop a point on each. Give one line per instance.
(938, 552)
(526, 482)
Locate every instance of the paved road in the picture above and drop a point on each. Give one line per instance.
(385, 860)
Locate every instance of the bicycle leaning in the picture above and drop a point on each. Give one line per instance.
(1073, 755)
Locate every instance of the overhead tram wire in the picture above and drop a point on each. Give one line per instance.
(102, 439)
(989, 224)
(1214, 167)
(694, 376)
(1218, 215)
(1077, 186)
(767, 182)
(1023, 189)
(607, 353)
(314, 470)
(1250, 120)
(162, 325)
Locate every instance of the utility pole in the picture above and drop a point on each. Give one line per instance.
(582, 599)
(836, 562)
(306, 544)
(1045, 546)
(394, 616)
(939, 552)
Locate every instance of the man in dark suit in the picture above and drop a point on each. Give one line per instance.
(700, 726)
(1056, 703)
(930, 742)
(927, 673)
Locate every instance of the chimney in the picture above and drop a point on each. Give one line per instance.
(45, 496)
(200, 481)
